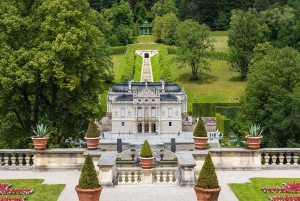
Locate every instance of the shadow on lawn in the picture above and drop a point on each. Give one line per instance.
(204, 78)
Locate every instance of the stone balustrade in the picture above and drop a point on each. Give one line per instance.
(16, 159)
(136, 175)
(189, 163)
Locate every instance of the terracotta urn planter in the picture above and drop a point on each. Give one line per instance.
(146, 162)
(200, 142)
(89, 194)
(254, 142)
(207, 194)
(40, 143)
(92, 143)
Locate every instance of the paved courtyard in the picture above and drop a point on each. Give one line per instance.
(147, 192)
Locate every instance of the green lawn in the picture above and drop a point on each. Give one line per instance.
(251, 191)
(45, 192)
(220, 85)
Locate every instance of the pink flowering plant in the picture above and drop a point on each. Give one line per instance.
(6, 189)
(290, 187)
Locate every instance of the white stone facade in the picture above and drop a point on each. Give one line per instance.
(146, 107)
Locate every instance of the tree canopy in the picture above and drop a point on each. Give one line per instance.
(194, 45)
(272, 95)
(51, 51)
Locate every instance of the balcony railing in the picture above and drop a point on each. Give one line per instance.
(146, 119)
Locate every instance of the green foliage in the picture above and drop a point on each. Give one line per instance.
(93, 130)
(207, 178)
(138, 68)
(163, 7)
(118, 50)
(194, 43)
(155, 68)
(229, 112)
(41, 131)
(200, 130)
(88, 177)
(128, 65)
(146, 150)
(223, 124)
(53, 61)
(244, 34)
(255, 130)
(169, 28)
(165, 65)
(208, 109)
(272, 95)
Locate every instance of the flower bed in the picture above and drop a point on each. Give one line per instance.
(288, 188)
(6, 189)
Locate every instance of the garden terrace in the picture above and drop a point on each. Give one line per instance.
(182, 172)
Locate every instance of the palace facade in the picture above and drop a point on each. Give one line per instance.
(146, 107)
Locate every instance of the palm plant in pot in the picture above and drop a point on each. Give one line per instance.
(41, 136)
(146, 156)
(88, 188)
(254, 136)
(92, 136)
(200, 135)
(207, 187)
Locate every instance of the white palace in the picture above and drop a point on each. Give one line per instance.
(146, 107)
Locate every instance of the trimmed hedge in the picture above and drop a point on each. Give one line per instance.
(128, 65)
(228, 112)
(164, 65)
(209, 109)
(138, 68)
(118, 50)
(223, 124)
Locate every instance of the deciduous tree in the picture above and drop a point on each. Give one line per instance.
(272, 94)
(194, 45)
(53, 61)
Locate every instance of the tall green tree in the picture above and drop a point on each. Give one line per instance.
(244, 34)
(194, 45)
(272, 95)
(53, 61)
(169, 29)
(158, 24)
(162, 7)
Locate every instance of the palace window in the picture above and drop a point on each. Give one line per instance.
(123, 123)
(170, 123)
(122, 112)
(170, 112)
(153, 112)
(139, 112)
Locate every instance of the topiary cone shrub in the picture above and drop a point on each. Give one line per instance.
(92, 130)
(207, 178)
(207, 187)
(146, 156)
(200, 130)
(146, 151)
(88, 188)
(88, 178)
(200, 135)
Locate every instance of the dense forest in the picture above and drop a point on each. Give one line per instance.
(120, 19)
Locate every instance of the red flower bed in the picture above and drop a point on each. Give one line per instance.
(12, 199)
(5, 189)
(285, 198)
(288, 188)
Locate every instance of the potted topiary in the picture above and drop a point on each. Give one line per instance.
(207, 187)
(132, 153)
(200, 135)
(254, 136)
(92, 136)
(88, 188)
(41, 136)
(161, 154)
(146, 156)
